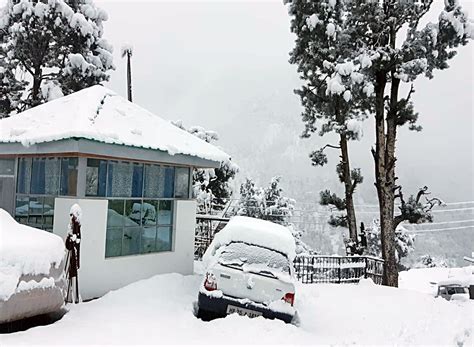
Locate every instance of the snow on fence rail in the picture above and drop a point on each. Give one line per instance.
(337, 269)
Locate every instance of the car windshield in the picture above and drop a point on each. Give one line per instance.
(254, 258)
(452, 290)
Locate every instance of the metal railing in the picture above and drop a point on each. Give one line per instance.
(337, 269)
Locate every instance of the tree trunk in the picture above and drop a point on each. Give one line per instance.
(384, 177)
(346, 174)
(36, 89)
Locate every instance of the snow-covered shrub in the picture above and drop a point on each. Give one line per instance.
(265, 203)
(427, 261)
(270, 204)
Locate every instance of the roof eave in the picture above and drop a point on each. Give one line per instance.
(85, 147)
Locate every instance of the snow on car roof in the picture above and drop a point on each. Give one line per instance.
(25, 250)
(462, 282)
(256, 232)
(97, 113)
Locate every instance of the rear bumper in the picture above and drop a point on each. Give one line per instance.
(219, 307)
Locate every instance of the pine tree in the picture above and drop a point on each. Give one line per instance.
(376, 27)
(251, 201)
(56, 46)
(330, 101)
(370, 30)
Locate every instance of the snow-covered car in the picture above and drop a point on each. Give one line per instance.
(453, 290)
(249, 271)
(32, 278)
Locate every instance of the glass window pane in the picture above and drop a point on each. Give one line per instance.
(148, 239)
(69, 176)
(163, 239)
(48, 212)
(182, 183)
(165, 212)
(96, 176)
(131, 240)
(24, 175)
(150, 209)
(137, 181)
(7, 167)
(115, 213)
(35, 212)
(113, 242)
(133, 213)
(169, 182)
(119, 179)
(154, 181)
(52, 170)
(38, 176)
(22, 205)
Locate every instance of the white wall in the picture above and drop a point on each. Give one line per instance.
(99, 275)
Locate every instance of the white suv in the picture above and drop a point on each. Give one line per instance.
(249, 271)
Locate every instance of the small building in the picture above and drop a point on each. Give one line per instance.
(129, 170)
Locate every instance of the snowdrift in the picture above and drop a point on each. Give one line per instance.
(162, 306)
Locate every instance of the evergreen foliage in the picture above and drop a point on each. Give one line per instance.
(270, 204)
(212, 187)
(368, 66)
(331, 97)
(405, 243)
(267, 203)
(51, 48)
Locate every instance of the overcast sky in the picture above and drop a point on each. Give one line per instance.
(224, 65)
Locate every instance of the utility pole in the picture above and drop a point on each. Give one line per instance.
(127, 50)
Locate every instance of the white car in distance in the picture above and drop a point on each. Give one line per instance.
(249, 271)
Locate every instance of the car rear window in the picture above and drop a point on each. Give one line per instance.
(239, 254)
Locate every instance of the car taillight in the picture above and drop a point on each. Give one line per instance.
(289, 298)
(210, 283)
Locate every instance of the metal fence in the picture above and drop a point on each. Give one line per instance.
(337, 269)
(308, 268)
(206, 227)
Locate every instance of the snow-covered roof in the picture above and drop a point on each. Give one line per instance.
(99, 114)
(256, 232)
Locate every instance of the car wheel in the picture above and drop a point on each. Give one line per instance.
(205, 315)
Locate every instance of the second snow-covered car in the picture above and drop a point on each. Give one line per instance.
(249, 271)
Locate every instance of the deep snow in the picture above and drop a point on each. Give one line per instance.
(160, 310)
(97, 113)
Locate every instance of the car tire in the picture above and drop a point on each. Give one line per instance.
(206, 316)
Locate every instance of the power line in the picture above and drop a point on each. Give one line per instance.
(443, 229)
(439, 223)
(453, 209)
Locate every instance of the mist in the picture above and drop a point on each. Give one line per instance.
(224, 66)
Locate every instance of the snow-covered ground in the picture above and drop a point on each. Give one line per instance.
(160, 311)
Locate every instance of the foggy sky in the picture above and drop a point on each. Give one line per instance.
(224, 66)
